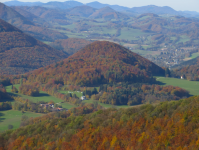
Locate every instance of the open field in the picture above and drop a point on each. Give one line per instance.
(103, 30)
(184, 38)
(79, 94)
(142, 52)
(43, 97)
(194, 55)
(13, 117)
(192, 86)
(130, 34)
(130, 45)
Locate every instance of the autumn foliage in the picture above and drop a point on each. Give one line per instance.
(190, 71)
(29, 90)
(71, 45)
(134, 94)
(20, 50)
(97, 63)
(169, 125)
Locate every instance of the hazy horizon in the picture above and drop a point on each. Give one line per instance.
(179, 5)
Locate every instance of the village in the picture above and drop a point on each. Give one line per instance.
(169, 57)
(57, 107)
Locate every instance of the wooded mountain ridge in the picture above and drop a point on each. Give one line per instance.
(98, 5)
(36, 27)
(21, 50)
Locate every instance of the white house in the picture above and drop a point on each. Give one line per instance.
(83, 98)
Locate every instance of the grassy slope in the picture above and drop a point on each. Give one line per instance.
(43, 97)
(194, 55)
(130, 34)
(13, 117)
(192, 86)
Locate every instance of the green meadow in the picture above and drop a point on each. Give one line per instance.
(194, 55)
(191, 86)
(42, 97)
(13, 117)
(130, 34)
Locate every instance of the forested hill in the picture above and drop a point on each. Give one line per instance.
(189, 69)
(23, 51)
(168, 125)
(100, 62)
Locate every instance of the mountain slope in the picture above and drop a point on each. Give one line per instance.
(97, 63)
(13, 17)
(83, 11)
(97, 5)
(45, 13)
(30, 16)
(62, 5)
(167, 125)
(20, 50)
(108, 13)
(153, 9)
(188, 69)
(71, 45)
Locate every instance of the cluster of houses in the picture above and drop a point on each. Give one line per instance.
(83, 98)
(46, 106)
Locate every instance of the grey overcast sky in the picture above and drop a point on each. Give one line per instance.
(191, 5)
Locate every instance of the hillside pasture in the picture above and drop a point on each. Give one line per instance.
(43, 96)
(194, 55)
(130, 34)
(191, 86)
(13, 117)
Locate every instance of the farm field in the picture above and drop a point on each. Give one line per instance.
(194, 55)
(142, 52)
(43, 97)
(184, 38)
(79, 94)
(192, 86)
(103, 30)
(13, 117)
(130, 34)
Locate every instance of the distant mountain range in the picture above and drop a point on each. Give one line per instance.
(70, 45)
(108, 13)
(136, 10)
(23, 19)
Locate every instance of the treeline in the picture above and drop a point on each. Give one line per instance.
(168, 125)
(26, 105)
(30, 90)
(134, 94)
(4, 97)
(53, 89)
(5, 106)
(190, 72)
